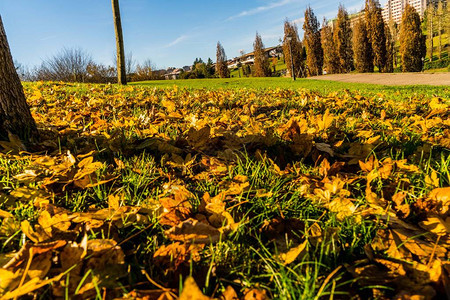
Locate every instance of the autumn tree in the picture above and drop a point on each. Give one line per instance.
(15, 116)
(312, 41)
(262, 65)
(430, 28)
(440, 21)
(375, 28)
(121, 64)
(221, 62)
(362, 48)
(412, 41)
(292, 44)
(330, 57)
(390, 51)
(343, 40)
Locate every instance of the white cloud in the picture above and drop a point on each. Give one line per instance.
(178, 40)
(260, 9)
(299, 21)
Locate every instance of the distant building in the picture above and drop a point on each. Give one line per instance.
(394, 9)
(173, 73)
(354, 18)
(249, 58)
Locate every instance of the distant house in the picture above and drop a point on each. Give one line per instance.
(173, 74)
(249, 58)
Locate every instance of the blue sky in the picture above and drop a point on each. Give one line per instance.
(169, 32)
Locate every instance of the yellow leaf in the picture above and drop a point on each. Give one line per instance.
(9, 280)
(293, 253)
(326, 121)
(191, 291)
(169, 105)
(441, 195)
(436, 225)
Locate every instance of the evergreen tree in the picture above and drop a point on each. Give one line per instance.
(362, 48)
(210, 68)
(15, 116)
(295, 47)
(390, 44)
(221, 62)
(412, 41)
(312, 41)
(330, 57)
(375, 28)
(262, 67)
(343, 40)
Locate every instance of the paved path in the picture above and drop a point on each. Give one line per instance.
(391, 79)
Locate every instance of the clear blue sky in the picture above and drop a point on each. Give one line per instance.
(169, 32)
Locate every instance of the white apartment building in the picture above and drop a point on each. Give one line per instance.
(395, 8)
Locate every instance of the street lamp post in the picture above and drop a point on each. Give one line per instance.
(289, 39)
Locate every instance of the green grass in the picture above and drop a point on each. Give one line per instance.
(324, 87)
(247, 257)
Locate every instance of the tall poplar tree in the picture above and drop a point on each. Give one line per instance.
(221, 62)
(375, 28)
(439, 17)
(390, 51)
(262, 66)
(294, 46)
(343, 40)
(15, 116)
(312, 41)
(412, 41)
(430, 14)
(330, 57)
(362, 48)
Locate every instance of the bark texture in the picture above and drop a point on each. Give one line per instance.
(121, 70)
(15, 115)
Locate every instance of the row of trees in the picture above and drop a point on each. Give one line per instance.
(339, 48)
(261, 66)
(435, 21)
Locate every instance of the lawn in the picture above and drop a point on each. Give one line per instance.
(233, 189)
(323, 87)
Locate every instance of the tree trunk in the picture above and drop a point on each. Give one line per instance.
(440, 35)
(15, 115)
(431, 33)
(121, 70)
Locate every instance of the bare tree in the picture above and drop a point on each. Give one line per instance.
(15, 116)
(144, 71)
(70, 64)
(121, 65)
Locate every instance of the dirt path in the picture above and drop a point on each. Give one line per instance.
(391, 79)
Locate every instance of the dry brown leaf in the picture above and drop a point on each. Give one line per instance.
(194, 231)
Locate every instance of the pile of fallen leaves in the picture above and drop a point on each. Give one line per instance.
(137, 193)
